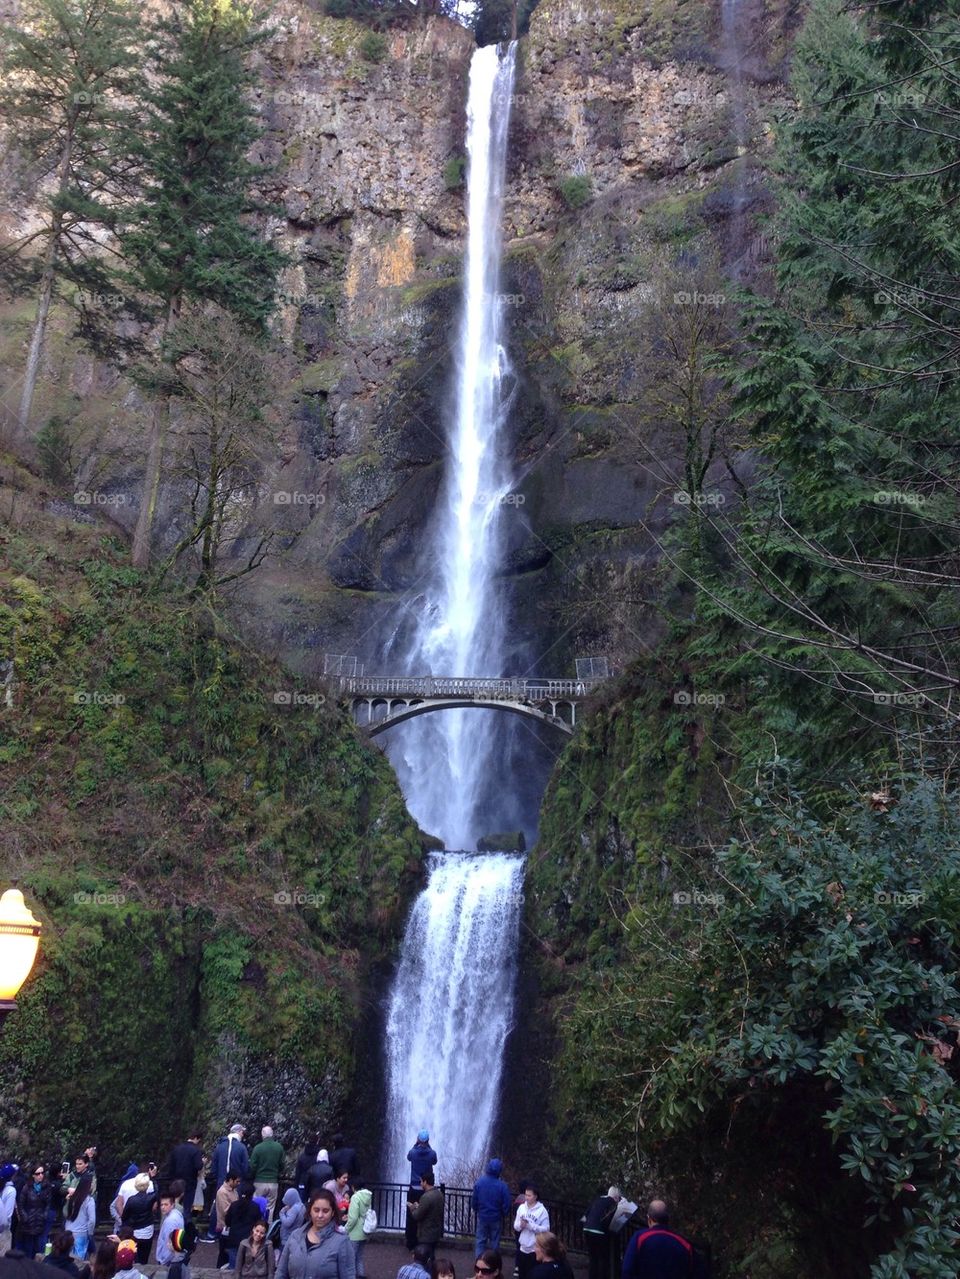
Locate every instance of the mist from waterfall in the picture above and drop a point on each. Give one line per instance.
(442, 759)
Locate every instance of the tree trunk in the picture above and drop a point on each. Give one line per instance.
(140, 553)
(46, 293)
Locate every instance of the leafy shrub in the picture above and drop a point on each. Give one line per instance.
(53, 450)
(812, 982)
(373, 46)
(576, 190)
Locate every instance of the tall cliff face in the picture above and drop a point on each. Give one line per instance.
(624, 161)
(633, 185)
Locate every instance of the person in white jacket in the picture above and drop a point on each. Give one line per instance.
(532, 1216)
(8, 1201)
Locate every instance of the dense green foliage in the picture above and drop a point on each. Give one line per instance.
(497, 20)
(214, 867)
(776, 1048)
(846, 556)
(815, 983)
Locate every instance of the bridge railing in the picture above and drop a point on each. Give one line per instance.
(531, 690)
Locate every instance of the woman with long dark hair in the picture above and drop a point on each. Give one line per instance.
(32, 1204)
(255, 1259)
(81, 1219)
(105, 1260)
(320, 1249)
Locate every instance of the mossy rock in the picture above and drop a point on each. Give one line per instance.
(321, 376)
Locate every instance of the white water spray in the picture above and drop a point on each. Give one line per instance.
(451, 1010)
(442, 759)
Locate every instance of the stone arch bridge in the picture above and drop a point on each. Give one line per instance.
(380, 701)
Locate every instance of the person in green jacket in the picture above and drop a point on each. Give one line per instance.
(360, 1201)
(266, 1163)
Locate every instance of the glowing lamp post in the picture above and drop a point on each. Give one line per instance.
(19, 938)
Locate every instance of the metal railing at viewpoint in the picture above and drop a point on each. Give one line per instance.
(390, 1205)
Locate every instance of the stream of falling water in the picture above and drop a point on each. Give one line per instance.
(451, 1005)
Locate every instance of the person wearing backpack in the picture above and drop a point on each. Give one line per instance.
(596, 1233)
(359, 1224)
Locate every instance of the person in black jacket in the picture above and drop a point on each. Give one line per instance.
(596, 1232)
(319, 1173)
(242, 1215)
(61, 1246)
(551, 1258)
(185, 1163)
(305, 1161)
(658, 1252)
(32, 1204)
(138, 1213)
(344, 1157)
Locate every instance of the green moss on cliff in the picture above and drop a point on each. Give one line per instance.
(210, 844)
(654, 30)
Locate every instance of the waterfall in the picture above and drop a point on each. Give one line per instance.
(451, 1005)
(450, 1012)
(460, 627)
(731, 51)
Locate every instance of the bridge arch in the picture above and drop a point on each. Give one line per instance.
(414, 708)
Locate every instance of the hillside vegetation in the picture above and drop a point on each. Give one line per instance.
(215, 868)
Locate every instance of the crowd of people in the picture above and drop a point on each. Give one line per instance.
(317, 1230)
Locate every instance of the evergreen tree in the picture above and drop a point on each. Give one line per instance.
(848, 555)
(191, 237)
(497, 20)
(69, 76)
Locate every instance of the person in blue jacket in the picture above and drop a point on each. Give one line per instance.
(658, 1252)
(491, 1202)
(422, 1158)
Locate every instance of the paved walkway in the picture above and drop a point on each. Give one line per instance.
(383, 1257)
